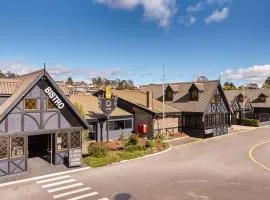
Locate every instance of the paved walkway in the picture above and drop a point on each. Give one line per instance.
(181, 141)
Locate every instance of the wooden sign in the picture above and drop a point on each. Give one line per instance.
(75, 157)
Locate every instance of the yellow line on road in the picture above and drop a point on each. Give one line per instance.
(252, 157)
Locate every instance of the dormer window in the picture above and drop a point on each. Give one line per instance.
(262, 98)
(168, 95)
(216, 99)
(240, 98)
(194, 94)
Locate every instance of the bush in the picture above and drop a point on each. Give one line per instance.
(132, 148)
(121, 136)
(160, 136)
(250, 122)
(132, 140)
(150, 144)
(98, 150)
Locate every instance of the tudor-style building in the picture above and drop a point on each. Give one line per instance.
(204, 106)
(259, 100)
(241, 107)
(36, 120)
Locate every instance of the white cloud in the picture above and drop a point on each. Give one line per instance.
(187, 20)
(196, 8)
(161, 11)
(217, 16)
(256, 73)
(221, 2)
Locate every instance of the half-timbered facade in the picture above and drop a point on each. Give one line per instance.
(204, 106)
(36, 120)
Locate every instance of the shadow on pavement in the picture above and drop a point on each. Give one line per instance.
(124, 196)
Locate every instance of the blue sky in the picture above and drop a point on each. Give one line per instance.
(132, 39)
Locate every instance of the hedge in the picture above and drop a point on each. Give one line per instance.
(250, 122)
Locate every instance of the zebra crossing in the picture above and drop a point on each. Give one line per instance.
(67, 188)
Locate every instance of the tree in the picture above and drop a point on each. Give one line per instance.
(229, 86)
(69, 81)
(202, 78)
(2, 75)
(10, 75)
(267, 83)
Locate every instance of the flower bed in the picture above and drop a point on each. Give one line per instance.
(101, 154)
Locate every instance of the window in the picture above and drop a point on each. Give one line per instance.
(240, 98)
(17, 147)
(262, 98)
(216, 99)
(50, 104)
(30, 104)
(75, 139)
(62, 141)
(194, 94)
(120, 124)
(169, 95)
(3, 148)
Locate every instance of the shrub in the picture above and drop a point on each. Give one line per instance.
(98, 162)
(132, 140)
(250, 122)
(132, 148)
(121, 136)
(98, 150)
(150, 144)
(160, 136)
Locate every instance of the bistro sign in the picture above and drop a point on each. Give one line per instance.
(54, 98)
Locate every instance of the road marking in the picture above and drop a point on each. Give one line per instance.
(44, 176)
(65, 187)
(53, 179)
(58, 183)
(83, 196)
(71, 192)
(104, 199)
(252, 157)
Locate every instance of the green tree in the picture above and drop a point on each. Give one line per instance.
(2, 75)
(267, 83)
(10, 74)
(229, 86)
(69, 81)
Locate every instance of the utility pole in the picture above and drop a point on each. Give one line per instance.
(163, 99)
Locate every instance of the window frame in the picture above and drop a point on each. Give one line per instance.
(47, 105)
(27, 99)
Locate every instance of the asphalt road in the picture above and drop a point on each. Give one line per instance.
(213, 169)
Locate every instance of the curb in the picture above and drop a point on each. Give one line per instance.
(176, 139)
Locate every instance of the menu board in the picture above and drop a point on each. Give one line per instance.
(75, 157)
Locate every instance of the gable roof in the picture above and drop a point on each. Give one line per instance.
(182, 99)
(91, 108)
(252, 95)
(27, 82)
(138, 98)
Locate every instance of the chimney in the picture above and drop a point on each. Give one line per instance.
(149, 100)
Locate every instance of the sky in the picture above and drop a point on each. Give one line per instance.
(133, 39)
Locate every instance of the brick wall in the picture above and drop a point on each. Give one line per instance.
(142, 117)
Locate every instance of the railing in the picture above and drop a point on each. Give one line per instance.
(262, 117)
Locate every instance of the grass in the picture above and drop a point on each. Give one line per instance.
(117, 156)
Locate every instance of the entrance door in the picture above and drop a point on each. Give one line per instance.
(40, 146)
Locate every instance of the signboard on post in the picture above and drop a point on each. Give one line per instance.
(107, 104)
(75, 157)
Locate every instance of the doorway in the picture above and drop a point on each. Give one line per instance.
(40, 146)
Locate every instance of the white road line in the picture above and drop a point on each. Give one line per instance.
(104, 199)
(65, 187)
(53, 179)
(43, 176)
(58, 183)
(83, 196)
(71, 192)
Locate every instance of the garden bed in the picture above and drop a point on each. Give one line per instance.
(101, 154)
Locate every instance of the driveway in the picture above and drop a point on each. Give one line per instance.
(214, 169)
